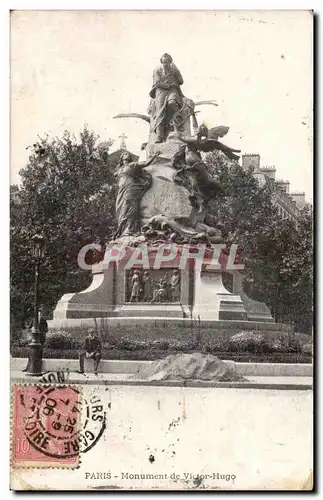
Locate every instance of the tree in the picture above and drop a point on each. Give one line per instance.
(245, 208)
(278, 254)
(285, 271)
(61, 197)
(299, 268)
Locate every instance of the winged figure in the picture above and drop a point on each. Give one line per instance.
(191, 171)
(207, 140)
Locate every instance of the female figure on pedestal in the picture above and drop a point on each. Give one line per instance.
(133, 182)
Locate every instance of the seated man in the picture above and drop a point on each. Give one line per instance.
(166, 97)
(91, 350)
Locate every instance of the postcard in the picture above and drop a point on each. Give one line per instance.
(161, 235)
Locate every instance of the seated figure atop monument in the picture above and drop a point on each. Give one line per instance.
(167, 97)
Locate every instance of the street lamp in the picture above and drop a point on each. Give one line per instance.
(34, 366)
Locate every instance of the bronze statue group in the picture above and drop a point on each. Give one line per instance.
(171, 117)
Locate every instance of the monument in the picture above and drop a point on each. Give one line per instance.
(161, 211)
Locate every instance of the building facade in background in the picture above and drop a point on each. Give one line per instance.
(289, 204)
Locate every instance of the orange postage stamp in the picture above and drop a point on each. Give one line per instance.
(45, 426)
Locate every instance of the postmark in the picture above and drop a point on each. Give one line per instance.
(53, 425)
(55, 377)
(94, 422)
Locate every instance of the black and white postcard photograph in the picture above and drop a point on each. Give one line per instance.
(161, 250)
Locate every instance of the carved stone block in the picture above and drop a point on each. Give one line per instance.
(165, 197)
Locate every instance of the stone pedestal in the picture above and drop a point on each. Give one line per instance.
(109, 294)
(213, 301)
(94, 302)
(201, 294)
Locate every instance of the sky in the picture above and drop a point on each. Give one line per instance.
(69, 68)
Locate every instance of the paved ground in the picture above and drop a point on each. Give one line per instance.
(127, 366)
(254, 439)
(129, 379)
(282, 380)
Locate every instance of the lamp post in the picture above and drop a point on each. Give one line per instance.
(34, 366)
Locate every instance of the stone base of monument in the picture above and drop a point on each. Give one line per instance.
(213, 301)
(199, 296)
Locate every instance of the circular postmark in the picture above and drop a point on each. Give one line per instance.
(53, 423)
(60, 424)
(94, 423)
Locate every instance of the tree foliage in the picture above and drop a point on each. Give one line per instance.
(61, 197)
(278, 252)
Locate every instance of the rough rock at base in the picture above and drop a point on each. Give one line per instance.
(194, 366)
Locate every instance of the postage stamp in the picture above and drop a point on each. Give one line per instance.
(46, 426)
(53, 425)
